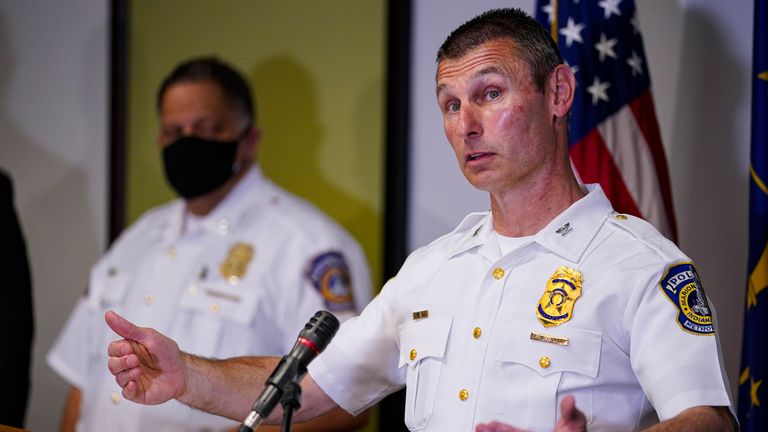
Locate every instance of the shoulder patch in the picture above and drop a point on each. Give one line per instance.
(682, 287)
(329, 274)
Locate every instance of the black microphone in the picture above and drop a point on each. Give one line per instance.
(312, 340)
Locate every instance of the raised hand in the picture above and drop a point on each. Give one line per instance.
(146, 364)
(571, 420)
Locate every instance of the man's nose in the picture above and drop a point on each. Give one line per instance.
(469, 122)
(187, 131)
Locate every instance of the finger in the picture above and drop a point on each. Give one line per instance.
(571, 419)
(127, 376)
(130, 391)
(123, 327)
(496, 426)
(567, 408)
(122, 379)
(119, 348)
(122, 364)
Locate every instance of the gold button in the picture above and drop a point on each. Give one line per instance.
(498, 273)
(171, 251)
(412, 355)
(621, 217)
(193, 290)
(463, 394)
(215, 308)
(149, 299)
(115, 397)
(476, 333)
(544, 362)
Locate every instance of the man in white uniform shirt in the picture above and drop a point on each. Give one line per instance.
(234, 267)
(550, 312)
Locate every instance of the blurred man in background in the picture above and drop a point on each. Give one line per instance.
(234, 267)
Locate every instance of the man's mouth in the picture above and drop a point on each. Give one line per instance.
(475, 156)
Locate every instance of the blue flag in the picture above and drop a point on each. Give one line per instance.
(753, 379)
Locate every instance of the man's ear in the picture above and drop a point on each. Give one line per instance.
(249, 146)
(562, 85)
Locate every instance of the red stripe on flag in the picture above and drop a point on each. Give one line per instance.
(594, 163)
(645, 116)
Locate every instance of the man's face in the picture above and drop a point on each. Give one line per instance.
(498, 123)
(198, 109)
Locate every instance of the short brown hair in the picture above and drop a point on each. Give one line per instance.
(532, 41)
(231, 82)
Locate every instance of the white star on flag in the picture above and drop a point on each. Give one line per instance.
(636, 63)
(598, 90)
(574, 69)
(572, 32)
(610, 7)
(550, 11)
(605, 47)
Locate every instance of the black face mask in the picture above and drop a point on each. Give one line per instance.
(196, 166)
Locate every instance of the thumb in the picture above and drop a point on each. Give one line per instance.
(123, 327)
(571, 419)
(568, 408)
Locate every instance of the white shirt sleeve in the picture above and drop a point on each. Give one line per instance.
(360, 366)
(677, 369)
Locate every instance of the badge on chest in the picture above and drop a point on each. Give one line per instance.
(234, 266)
(556, 304)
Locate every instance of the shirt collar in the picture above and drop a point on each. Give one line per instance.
(571, 231)
(226, 216)
(568, 234)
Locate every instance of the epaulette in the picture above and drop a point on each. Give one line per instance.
(643, 231)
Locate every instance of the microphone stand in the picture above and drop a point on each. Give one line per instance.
(291, 402)
(286, 387)
(283, 385)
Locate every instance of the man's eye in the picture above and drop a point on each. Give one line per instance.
(208, 131)
(453, 107)
(493, 94)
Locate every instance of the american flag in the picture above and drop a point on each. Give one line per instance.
(614, 137)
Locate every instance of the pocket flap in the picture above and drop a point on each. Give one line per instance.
(581, 354)
(221, 300)
(423, 338)
(107, 287)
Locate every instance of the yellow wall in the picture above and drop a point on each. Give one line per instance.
(317, 69)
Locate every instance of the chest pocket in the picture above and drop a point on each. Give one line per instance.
(211, 310)
(107, 288)
(422, 349)
(558, 370)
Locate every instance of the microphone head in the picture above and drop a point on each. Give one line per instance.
(319, 331)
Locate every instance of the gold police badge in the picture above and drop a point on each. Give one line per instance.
(556, 304)
(234, 266)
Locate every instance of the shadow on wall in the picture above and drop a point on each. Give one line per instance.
(712, 196)
(53, 207)
(292, 149)
(369, 164)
